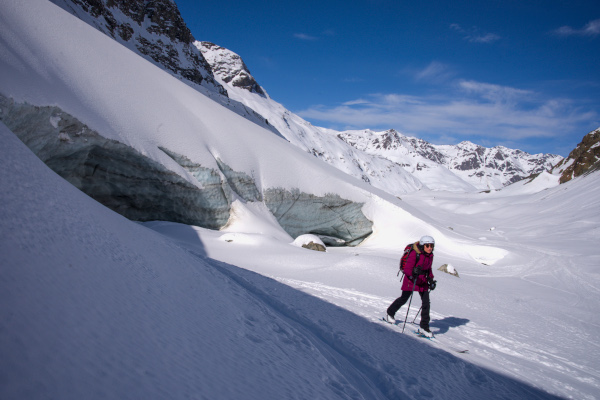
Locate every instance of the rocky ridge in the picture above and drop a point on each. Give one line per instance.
(153, 29)
(229, 67)
(484, 168)
(585, 158)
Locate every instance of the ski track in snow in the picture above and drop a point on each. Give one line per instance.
(336, 344)
(480, 342)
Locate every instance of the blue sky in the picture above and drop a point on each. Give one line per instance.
(523, 74)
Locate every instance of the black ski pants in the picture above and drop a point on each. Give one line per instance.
(400, 301)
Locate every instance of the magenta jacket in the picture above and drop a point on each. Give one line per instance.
(425, 261)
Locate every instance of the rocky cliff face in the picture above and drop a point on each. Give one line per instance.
(229, 67)
(153, 29)
(583, 159)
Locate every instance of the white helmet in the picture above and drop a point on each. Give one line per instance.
(426, 240)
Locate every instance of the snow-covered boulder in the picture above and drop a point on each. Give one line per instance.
(311, 242)
(449, 269)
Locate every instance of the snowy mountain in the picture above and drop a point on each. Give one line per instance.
(380, 158)
(470, 165)
(165, 150)
(210, 296)
(230, 67)
(585, 158)
(156, 31)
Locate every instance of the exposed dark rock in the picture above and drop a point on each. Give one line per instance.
(314, 246)
(585, 158)
(154, 28)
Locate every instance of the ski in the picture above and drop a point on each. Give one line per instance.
(441, 344)
(431, 339)
(421, 334)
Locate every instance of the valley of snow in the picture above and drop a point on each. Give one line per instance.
(96, 306)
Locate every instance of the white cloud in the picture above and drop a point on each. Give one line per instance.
(435, 72)
(303, 36)
(469, 109)
(355, 102)
(475, 35)
(495, 93)
(592, 28)
(485, 38)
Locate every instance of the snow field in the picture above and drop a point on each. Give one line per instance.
(96, 306)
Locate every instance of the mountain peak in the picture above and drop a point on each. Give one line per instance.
(229, 67)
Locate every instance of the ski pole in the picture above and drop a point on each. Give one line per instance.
(417, 314)
(419, 310)
(411, 296)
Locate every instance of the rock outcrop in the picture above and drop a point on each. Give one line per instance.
(153, 29)
(229, 67)
(583, 159)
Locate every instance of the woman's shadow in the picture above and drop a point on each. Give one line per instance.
(443, 325)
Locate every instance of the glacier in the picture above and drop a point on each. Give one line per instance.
(142, 189)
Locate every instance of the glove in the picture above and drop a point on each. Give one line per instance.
(417, 271)
(431, 283)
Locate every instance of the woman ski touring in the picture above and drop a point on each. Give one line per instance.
(418, 275)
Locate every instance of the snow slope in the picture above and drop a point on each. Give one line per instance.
(124, 97)
(96, 306)
(525, 307)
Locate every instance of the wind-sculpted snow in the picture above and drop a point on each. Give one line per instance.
(327, 216)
